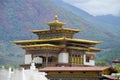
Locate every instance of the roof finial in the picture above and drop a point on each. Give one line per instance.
(56, 17)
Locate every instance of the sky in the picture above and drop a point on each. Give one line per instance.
(98, 7)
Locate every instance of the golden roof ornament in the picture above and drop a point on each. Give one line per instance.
(56, 22)
(56, 18)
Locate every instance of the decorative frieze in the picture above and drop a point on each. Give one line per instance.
(57, 34)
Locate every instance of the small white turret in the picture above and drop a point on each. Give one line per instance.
(32, 67)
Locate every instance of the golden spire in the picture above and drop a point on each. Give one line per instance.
(56, 24)
(56, 18)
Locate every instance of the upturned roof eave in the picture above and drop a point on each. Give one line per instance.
(57, 39)
(86, 49)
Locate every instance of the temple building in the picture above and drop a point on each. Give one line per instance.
(60, 55)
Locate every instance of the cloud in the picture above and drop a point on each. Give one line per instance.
(98, 7)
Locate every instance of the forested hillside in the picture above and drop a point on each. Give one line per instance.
(18, 17)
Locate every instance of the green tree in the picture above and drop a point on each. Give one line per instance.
(101, 63)
(117, 68)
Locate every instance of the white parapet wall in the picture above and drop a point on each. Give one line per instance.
(28, 58)
(22, 74)
(63, 57)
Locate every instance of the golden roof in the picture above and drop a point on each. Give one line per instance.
(51, 46)
(56, 22)
(41, 46)
(57, 39)
(49, 31)
(83, 41)
(85, 49)
(78, 48)
(94, 49)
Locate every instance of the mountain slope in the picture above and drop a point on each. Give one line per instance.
(17, 17)
(115, 20)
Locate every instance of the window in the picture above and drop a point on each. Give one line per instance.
(87, 58)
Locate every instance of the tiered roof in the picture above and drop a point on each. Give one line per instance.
(55, 42)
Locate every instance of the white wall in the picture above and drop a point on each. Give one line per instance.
(28, 58)
(38, 60)
(91, 62)
(63, 57)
